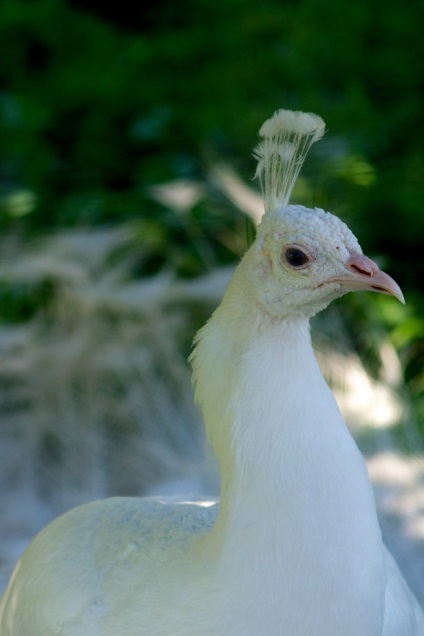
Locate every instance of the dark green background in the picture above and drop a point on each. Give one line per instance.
(98, 103)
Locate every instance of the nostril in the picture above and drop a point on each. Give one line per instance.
(361, 270)
(361, 264)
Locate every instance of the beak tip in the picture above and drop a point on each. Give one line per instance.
(395, 291)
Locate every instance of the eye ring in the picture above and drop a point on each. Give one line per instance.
(295, 257)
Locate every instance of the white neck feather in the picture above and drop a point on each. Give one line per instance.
(296, 501)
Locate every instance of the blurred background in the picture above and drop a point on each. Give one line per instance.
(126, 199)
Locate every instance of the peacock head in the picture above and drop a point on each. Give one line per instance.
(302, 258)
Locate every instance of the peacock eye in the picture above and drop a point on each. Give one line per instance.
(295, 257)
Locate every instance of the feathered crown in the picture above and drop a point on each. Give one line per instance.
(286, 139)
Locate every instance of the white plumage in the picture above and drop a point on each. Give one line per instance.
(294, 547)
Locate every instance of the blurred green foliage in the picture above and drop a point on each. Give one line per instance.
(97, 103)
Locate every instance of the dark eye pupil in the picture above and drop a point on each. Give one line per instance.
(296, 257)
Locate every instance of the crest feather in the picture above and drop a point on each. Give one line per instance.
(286, 139)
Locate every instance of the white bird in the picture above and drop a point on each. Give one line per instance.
(294, 547)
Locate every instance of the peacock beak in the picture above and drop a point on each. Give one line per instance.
(363, 274)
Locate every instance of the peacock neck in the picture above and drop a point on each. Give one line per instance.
(294, 485)
(268, 411)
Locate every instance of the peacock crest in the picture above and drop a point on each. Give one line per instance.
(286, 139)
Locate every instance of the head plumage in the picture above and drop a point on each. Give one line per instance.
(286, 139)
